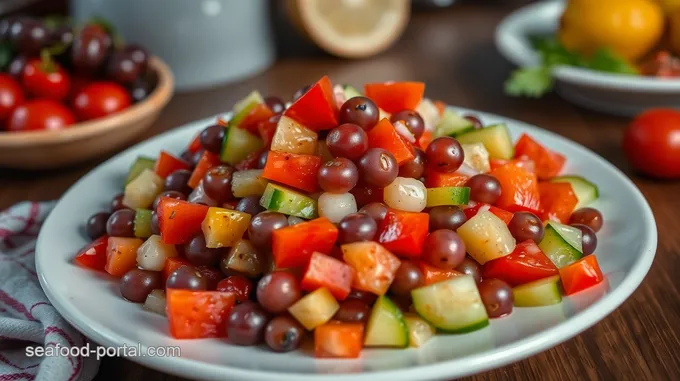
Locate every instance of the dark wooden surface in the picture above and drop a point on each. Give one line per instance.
(453, 53)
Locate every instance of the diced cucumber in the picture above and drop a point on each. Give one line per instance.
(562, 243)
(448, 196)
(585, 191)
(386, 326)
(452, 305)
(477, 157)
(142, 223)
(287, 201)
(244, 106)
(495, 138)
(351, 92)
(238, 144)
(419, 330)
(452, 124)
(542, 292)
(139, 166)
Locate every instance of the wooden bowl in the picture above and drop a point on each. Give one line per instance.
(86, 140)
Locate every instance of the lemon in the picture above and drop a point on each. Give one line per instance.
(630, 28)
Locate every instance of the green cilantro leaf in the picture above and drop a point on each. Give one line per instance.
(529, 82)
(608, 61)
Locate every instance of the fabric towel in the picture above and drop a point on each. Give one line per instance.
(27, 319)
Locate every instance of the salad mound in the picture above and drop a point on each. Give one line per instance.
(370, 220)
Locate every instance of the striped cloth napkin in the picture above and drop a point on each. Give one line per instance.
(27, 319)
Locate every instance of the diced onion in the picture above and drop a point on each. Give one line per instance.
(153, 253)
(155, 302)
(336, 206)
(339, 94)
(467, 170)
(409, 195)
(293, 220)
(404, 131)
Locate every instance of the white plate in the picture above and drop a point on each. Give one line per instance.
(610, 93)
(91, 302)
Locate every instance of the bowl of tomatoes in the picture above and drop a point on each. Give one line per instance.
(69, 93)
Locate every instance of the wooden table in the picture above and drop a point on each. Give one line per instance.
(453, 53)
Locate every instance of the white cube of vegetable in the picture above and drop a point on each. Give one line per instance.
(248, 183)
(140, 192)
(292, 137)
(486, 237)
(409, 195)
(335, 206)
(153, 253)
(477, 157)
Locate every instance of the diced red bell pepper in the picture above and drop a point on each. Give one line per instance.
(198, 314)
(525, 264)
(241, 286)
(500, 213)
(207, 161)
(326, 271)
(298, 171)
(519, 189)
(121, 255)
(404, 233)
(548, 163)
(172, 264)
(257, 114)
(425, 139)
(167, 164)
(522, 162)
(93, 255)
(374, 266)
(293, 246)
(557, 200)
(195, 144)
(250, 162)
(385, 136)
(435, 179)
(179, 220)
(581, 275)
(266, 130)
(441, 107)
(365, 194)
(433, 274)
(395, 96)
(338, 340)
(316, 109)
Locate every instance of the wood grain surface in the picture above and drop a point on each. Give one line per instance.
(453, 52)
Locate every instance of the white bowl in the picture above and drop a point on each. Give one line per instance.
(611, 93)
(92, 303)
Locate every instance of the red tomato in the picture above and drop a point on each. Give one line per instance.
(11, 96)
(298, 171)
(525, 264)
(179, 220)
(198, 314)
(239, 285)
(121, 255)
(395, 96)
(557, 200)
(547, 163)
(293, 246)
(580, 275)
(167, 164)
(100, 99)
(652, 143)
(326, 271)
(40, 114)
(374, 266)
(207, 161)
(385, 136)
(519, 189)
(404, 233)
(338, 340)
(93, 255)
(49, 81)
(433, 274)
(316, 109)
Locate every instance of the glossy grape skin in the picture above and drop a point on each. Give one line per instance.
(5, 25)
(199, 254)
(96, 225)
(412, 120)
(484, 188)
(178, 181)
(525, 226)
(414, 168)
(365, 296)
(121, 223)
(263, 225)
(378, 167)
(137, 284)
(17, 66)
(117, 202)
(446, 217)
(211, 138)
(187, 278)
(29, 36)
(300, 92)
(356, 227)
(246, 323)
(475, 121)
(361, 111)
(590, 217)
(588, 238)
(91, 48)
(139, 55)
(62, 35)
(143, 87)
(339, 175)
(470, 267)
(407, 278)
(283, 334)
(122, 68)
(262, 160)
(347, 140)
(155, 225)
(445, 154)
(241, 286)
(375, 210)
(275, 104)
(444, 249)
(250, 205)
(217, 183)
(353, 311)
(196, 157)
(497, 297)
(277, 291)
(170, 194)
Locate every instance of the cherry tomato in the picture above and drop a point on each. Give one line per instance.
(11, 96)
(100, 99)
(40, 114)
(46, 80)
(652, 143)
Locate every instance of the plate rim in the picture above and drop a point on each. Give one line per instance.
(475, 363)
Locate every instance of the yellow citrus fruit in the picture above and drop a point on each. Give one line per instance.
(669, 6)
(630, 28)
(674, 31)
